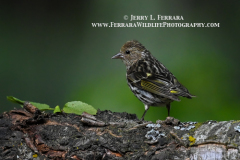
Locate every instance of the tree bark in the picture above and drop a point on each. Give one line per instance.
(30, 134)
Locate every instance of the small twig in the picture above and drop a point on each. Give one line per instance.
(180, 141)
(93, 122)
(30, 144)
(89, 116)
(110, 132)
(31, 108)
(151, 142)
(119, 124)
(139, 125)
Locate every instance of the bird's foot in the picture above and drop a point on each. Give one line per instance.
(141, 121)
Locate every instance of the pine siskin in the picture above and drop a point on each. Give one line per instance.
(149, 80)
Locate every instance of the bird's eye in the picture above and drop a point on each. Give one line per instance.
(127, 52)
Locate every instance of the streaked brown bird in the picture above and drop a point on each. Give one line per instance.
(149, 80)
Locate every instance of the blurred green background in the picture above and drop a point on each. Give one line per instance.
(50, 53)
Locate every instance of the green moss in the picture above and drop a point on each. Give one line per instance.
(192, 140)
(197, 125)
(234, 144)
(35, 156)
(237, 121)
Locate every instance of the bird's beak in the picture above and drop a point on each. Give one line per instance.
(118, 56)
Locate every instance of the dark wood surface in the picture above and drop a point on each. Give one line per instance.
(30, 134)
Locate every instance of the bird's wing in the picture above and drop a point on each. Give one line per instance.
(156, 84)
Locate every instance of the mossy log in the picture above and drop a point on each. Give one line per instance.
(30, 134)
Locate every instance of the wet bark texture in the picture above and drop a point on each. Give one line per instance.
(30, 134)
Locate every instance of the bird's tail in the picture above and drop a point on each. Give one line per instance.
(190, 96)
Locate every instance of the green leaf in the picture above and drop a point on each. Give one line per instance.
(57, 109)
(40, 106)
(15, 100)
(79, 107)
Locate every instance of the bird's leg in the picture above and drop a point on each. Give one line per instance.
(168, 108)
(146, 109)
